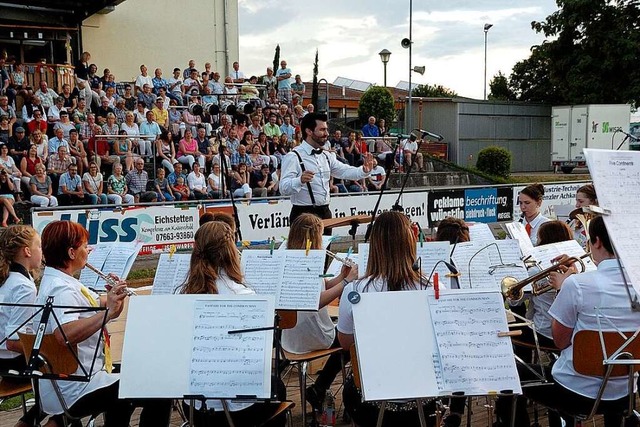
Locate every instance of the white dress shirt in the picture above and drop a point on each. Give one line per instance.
(323, 165)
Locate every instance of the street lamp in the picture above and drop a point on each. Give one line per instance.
(486, 30)
(384, 57)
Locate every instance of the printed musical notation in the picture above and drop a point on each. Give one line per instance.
(473, 264)
(110, 258)
(292, 276)
(472, 358)
(616, 176)
(226, 365)
(545, 253)
(171, 273)
(480, 232)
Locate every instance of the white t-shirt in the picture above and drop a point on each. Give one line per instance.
(216, 181)
(196, 182)
(66, 292)
(377, 174)
(142, 80)
(17, 289)
(574, 308)
(314, 330)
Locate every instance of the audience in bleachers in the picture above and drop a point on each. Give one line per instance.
(91, 143)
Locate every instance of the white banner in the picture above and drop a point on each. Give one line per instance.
(554, 194)
(155, 226)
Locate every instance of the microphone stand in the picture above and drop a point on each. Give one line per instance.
(397, 207)
(223, 177)
(388, 167)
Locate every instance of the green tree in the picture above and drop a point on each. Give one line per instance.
(314, 90)
(377, 101)
(499, 88)
(494, 160)
(276, 59)
(435, 91)
(590, 55)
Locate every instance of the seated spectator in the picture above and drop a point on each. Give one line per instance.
(162, 187)
(382, 129)
(100, 152)
(336, 186)
(410, 150)
(70, 98)
(41, 188)
(93, 186)
(258, 158)
(298, 87)
(182, 189)
(370, 129)
(241, 157)
(230, 90)
(192, 82)
(335, 145)
(176, 122)
(131, 128)
(130, 101)
(385, 152)
(160, 114)
(150, 130)
(287, 128)
(175, 87)
(215, 183)
(89, 129)
(5, 129)
(58, 164)
(53, 113)
(240, 181)
(37, 122)
(355, 186)
(188, 152)
(77, 151)
(19, 145)
(249, 89)
(141, 113)
(103, 111)
(7, 198)
(216, 87)
(271, 129)
(117, 190)
(137, 180)
(120, 111)
(8, 165)
(31, 105)
(376, 178)
(28, 165)
(204, 147)
(197, 182)
(70, 188)
(110, 95)
(255, 127)
(79, 115)
(173, 177)
(262, 184)
(350, 150)
(143, 80)
(362, 144)
(65, 124)
(146, 97)
(42, 147)
(165, 150)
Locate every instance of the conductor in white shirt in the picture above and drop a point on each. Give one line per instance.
(306, 170)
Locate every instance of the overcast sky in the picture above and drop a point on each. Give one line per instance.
(448, 38)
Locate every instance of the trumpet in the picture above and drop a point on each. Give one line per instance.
(346, 261)
(111, 282)
(513, 290)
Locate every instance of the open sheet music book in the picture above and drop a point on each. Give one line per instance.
(294, 277)
(171, 272)
(112, 257)
(433, 347)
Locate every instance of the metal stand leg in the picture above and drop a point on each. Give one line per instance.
(302, 376)
(383, 407)
(227, 413)
(423, 419)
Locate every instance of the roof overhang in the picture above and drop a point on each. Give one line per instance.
(62, 13)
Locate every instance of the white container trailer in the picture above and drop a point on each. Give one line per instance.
(576, 127)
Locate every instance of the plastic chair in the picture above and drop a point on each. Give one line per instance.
(589, 360)
(56, 359)
(288, 320)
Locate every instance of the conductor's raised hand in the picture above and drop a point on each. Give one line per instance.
(306, 176)
(367, 166)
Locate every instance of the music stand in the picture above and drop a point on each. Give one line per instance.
(354, 221)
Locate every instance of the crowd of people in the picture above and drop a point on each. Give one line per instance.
(98, 142)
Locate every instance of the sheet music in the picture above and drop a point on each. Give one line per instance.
(473, 358)
(430, 253)
(224, 365)
(120, 260)
(363, 255)
(479, 231)
(474, 275)
(545, 253)
(335, 266)
(516, 231)
(97, 257)
(301, 281)
(171, 273)
(292, 276)
(511, 263)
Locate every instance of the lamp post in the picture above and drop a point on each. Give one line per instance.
(486, 30)
(384, 57)
(408, 119)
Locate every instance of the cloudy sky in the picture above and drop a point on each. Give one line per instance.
(448, 38)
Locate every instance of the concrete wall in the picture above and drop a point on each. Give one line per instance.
(469, 126)
(165, 34)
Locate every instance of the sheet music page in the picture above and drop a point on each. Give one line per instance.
(511, 263)
(301, 280)
(335, 266)
(363, 256)
(545, 253)
(479, 231)
(120, 260)
(224, 365)
(97, 257)
(473, 266)
(430, 253)
(171, 273)
(473, 358)
(262, 270)
(516, 231)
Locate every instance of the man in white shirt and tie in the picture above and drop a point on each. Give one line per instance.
(236, 74)
(306, 170)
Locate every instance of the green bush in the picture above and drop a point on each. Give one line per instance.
(494, 161)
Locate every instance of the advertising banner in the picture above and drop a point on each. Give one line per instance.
(473, 205)
(554, 194)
